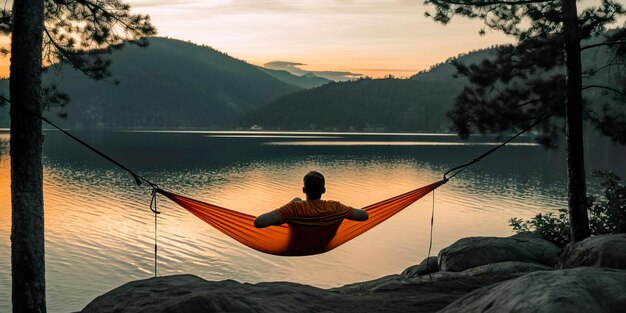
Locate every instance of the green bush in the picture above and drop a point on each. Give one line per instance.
(607, 214)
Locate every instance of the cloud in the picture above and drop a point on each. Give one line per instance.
(294, 68)
(291, 67)
(281, 64)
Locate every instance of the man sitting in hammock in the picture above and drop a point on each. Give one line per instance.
(313, 222)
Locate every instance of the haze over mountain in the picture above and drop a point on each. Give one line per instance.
(294, 68)
(308, 80)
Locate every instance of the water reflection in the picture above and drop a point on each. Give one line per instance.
(99, 230)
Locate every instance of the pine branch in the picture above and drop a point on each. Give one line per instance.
(64, 55)
(93, 6)
(594, 71)
(607, 43)
(604, 87)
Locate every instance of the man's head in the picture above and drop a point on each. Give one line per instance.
(314, 185)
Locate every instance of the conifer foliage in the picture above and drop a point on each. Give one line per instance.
(79, 32)
(540, 78)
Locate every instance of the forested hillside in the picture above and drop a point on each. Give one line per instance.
(178, 84)
(363, 104)
(416, 104)
(171, 83)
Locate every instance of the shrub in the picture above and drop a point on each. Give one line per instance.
(607, 214)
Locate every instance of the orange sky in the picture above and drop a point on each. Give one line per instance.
(371, 37)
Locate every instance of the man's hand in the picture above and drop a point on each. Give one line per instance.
(267, 219)
(359, 215)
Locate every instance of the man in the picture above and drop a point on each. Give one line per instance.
(312, 212)
(312, 223)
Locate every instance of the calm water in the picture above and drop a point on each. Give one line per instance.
(99, 230)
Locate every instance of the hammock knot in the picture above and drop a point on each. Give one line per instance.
(153, 202)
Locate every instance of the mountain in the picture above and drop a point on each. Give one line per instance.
(363, 104)
(415, 104)
(179, 84)
(308, 80)
(170, 83)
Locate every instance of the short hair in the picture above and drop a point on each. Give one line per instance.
(314, 184)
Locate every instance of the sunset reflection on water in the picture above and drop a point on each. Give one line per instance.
(99, 229)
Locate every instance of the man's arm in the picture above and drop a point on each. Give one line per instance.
(267, 219)
(270, 218)
(359, 215)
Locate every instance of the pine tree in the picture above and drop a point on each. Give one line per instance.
(540, 78)
(79, 32)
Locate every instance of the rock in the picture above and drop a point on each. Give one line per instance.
(585, 289)
(429, 265)
(482, 275)
(191, 294)
(505, 270)
(599, 251)
(476, 251)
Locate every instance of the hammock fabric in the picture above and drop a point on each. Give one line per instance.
(296, 240)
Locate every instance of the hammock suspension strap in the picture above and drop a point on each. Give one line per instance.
(153, 208)
(456, 170)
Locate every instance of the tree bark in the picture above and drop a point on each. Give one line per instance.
(27, 228)
(576, 183)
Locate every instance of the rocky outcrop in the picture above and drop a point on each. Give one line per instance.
(583, 290)
(191, 294)
(476, 251)
(477, 274)
(599, 251)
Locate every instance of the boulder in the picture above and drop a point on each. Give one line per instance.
(599, 251)
(584, 289)
(476, 251)
(429, 265)
(191, 294)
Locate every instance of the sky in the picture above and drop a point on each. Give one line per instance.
(370, 37)
(367, 37)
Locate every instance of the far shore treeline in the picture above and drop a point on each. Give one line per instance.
(177, 84)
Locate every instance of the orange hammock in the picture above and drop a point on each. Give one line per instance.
(296, 240)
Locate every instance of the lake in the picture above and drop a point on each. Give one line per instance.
(100, 231)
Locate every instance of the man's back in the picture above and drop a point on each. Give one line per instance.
(313, 212)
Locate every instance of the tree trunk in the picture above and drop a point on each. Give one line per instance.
(576, 183)
(27, 229)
